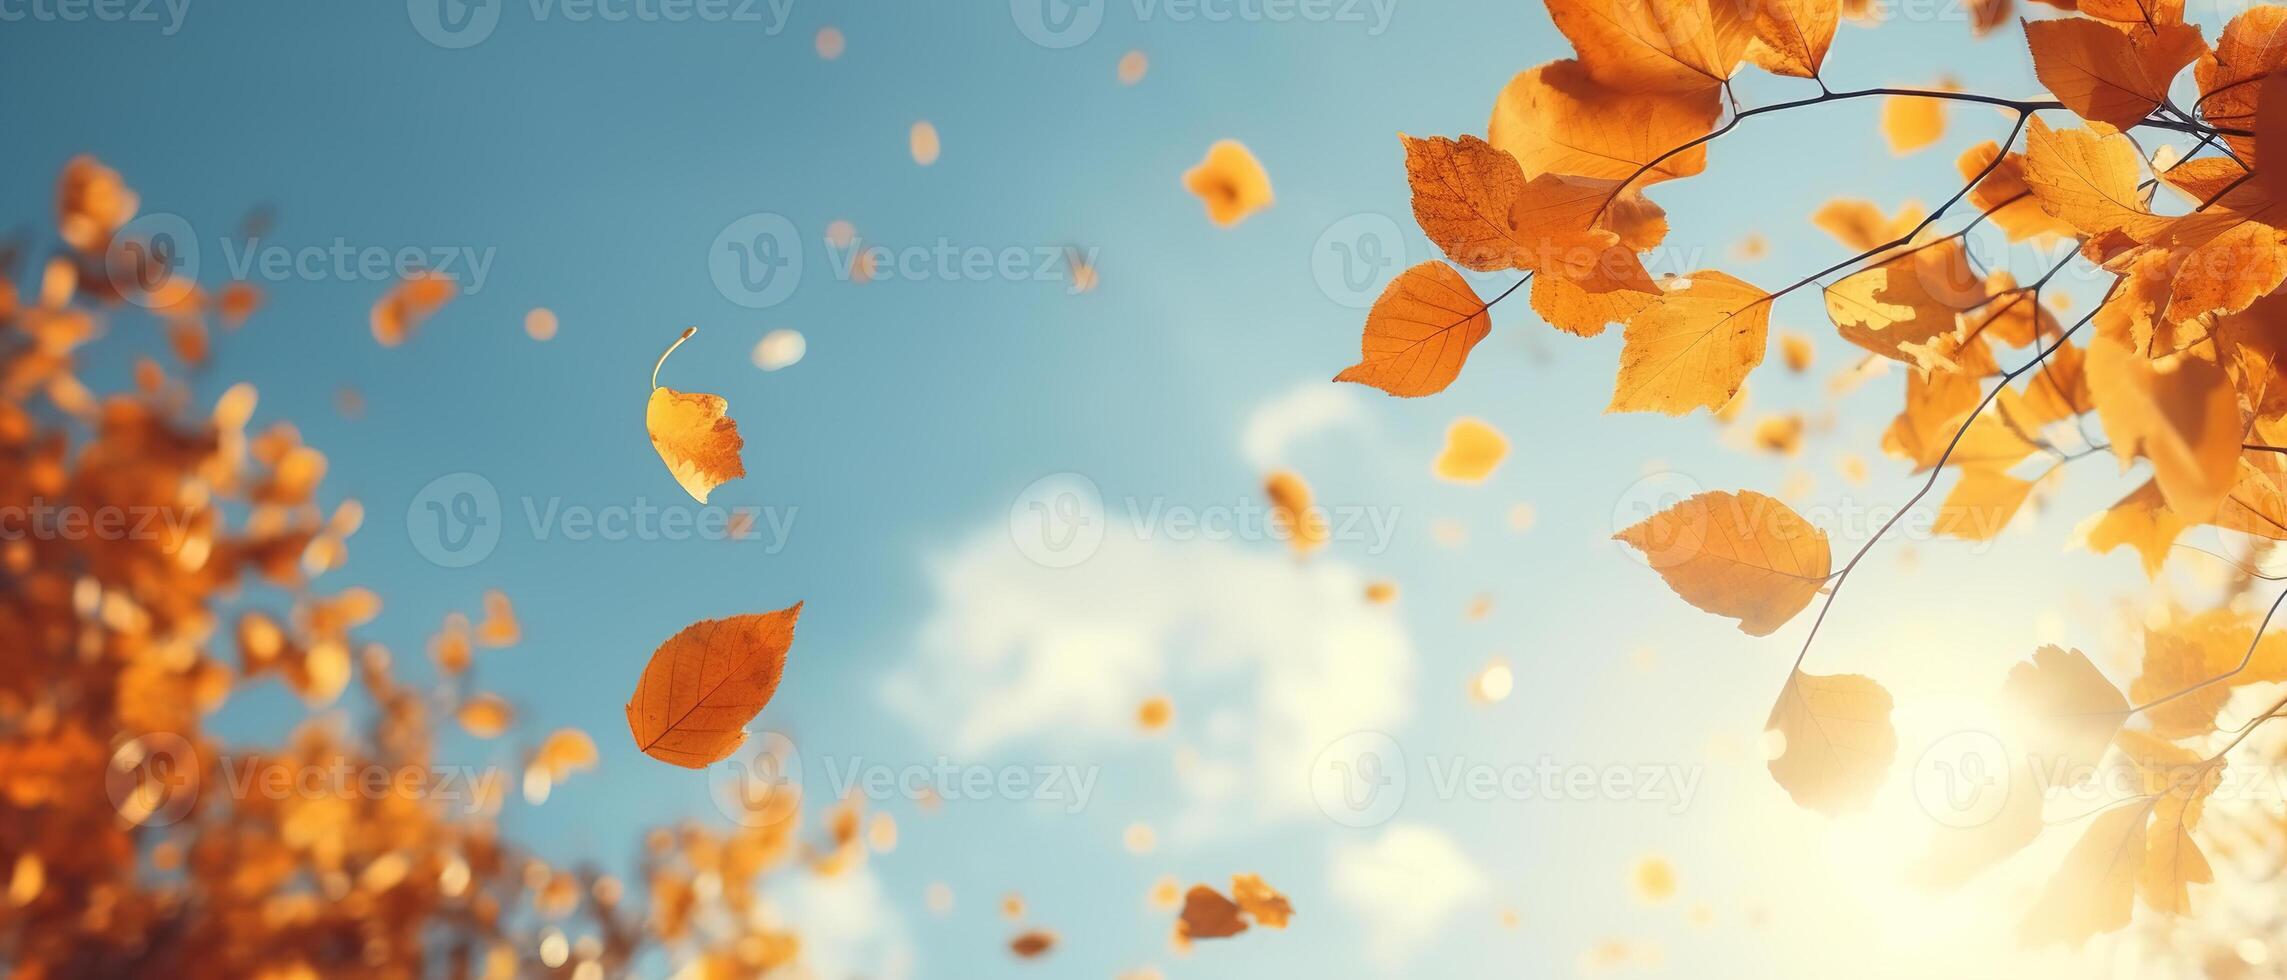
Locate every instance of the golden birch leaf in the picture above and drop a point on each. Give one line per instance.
(2068, 708)
(1656, 45)
(2252, 46)
(693, 433)
(1912, 122)
(2109, 74)
(1260, 902)
(1907, 303)
(1472, 450)
(1292, 514)
(1419, 333)
(1463, 193)
(1230, 182)
(2255, 505)
(2084, 179)
(705, 683)
(1838, 741)
(2140, 520)
(1555, 119)
(1741, 555)
(1981, 504)
(1693, 346)
(2180, 413)
(2095, 889)
(2003, 195)
(1792, 36)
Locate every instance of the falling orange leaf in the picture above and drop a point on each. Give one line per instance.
(705, 683)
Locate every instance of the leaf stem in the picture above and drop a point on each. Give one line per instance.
(687, 332)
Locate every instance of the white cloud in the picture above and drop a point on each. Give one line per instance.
(1287, 654)
(849, 928)
(1402, 886)
(1312, 408)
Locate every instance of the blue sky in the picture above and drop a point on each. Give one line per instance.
(590, 166)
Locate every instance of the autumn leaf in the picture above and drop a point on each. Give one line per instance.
(1230, 182)
(693, 433)
(1033, 944)
(1912, 122)
(1899, 308)
(705, 683)
(1472, 450)
(1981, 504)
(2256, 504)
(1656, 45)
(2067, 707)
(1555, 119)
(407, 304)
(1741, 555)
(1260, 902)
(1791, 36)
(1464, 193)
(2086, 180)
(2003, 196)
(2140, 520)
(2106, 73)
(2230, 76)
(1837, 742)
(1419, 333)
(2180, 413)
(1292, 514)
(2096, 887)
(1208, 915)
(1693, 346)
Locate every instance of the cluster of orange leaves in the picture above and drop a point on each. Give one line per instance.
(2180, 367)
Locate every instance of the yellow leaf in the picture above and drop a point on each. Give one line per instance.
(2096, 887)
(2140, 520)
(2109, 74)
(2086, 180)
(1741, 555)
(1260, 902)
(2004, 197)
(2069, 710)
(2180, 413)
(1792, 36)
(1292, 514)
(705, 683)
(1693, 347)
(1838, 742)
(1906, 303)
(1419, 333)
(2249, 49)
(693, 433)
(486, 716)
(1230, 182)
(1656, 45)
(1911, 122)
(1555, 119)
(1472, 450)
(1981, 504)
